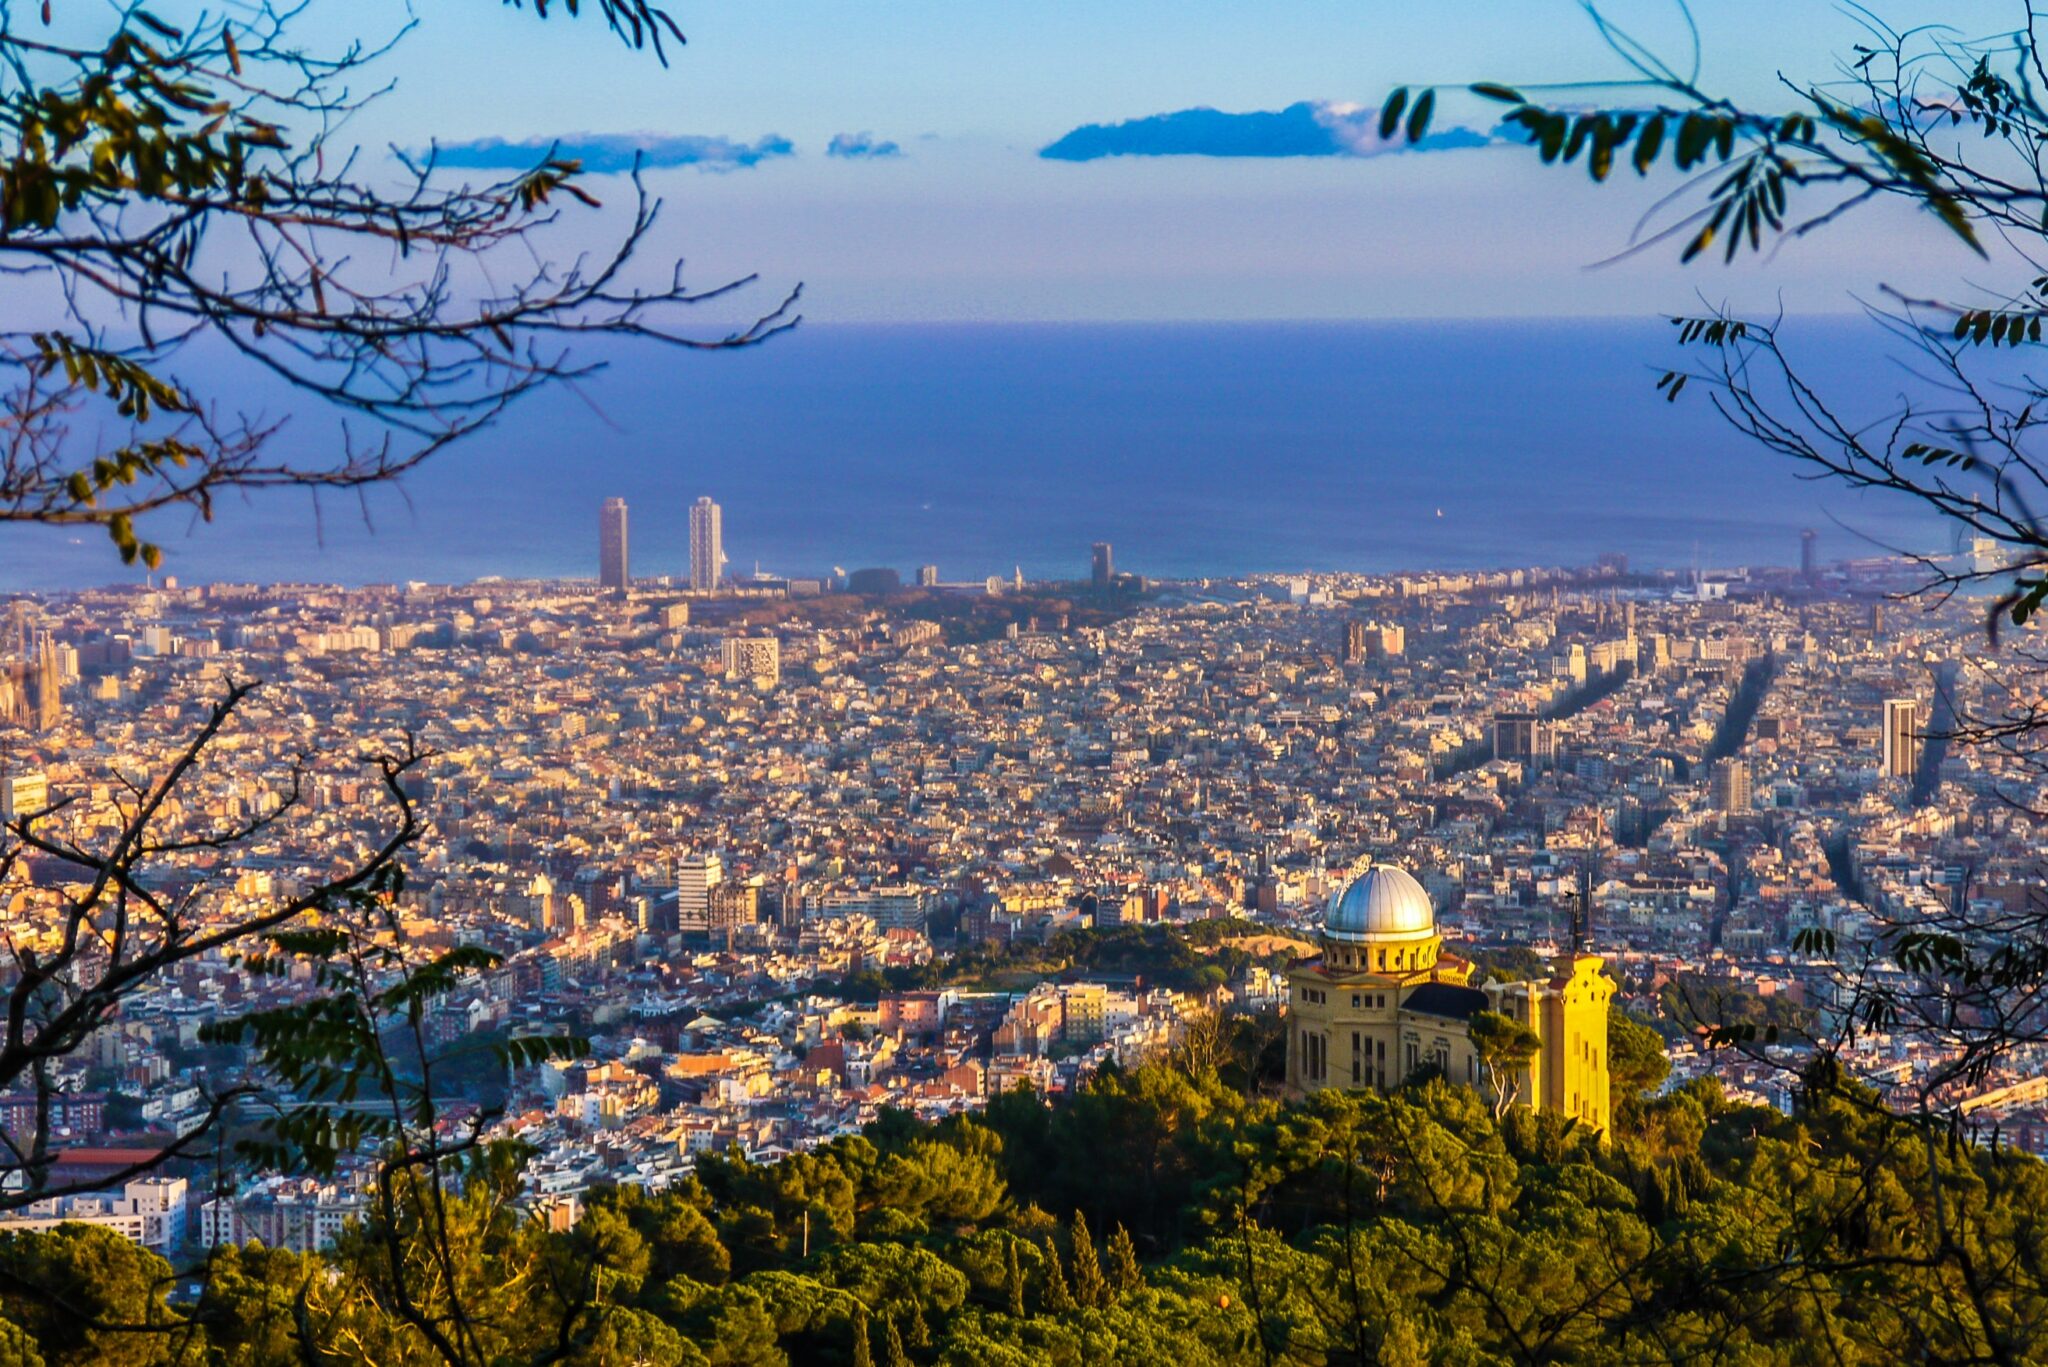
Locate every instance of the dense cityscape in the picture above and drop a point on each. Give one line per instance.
(1031, 688)
(790, 853)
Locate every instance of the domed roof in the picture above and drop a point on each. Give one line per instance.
(1382, 904)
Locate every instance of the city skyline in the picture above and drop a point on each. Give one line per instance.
(1303, 683)
(1597, 696)
(1335, 683)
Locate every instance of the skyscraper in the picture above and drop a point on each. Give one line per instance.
(1102, 569)
(707, 545)
(611, 546)
(1809, 555)
(1901, 737)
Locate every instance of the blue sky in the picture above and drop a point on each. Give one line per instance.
(888, 154)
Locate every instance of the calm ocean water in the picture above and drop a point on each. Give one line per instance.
(1194, 449)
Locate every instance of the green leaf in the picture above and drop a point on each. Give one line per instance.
(1693, 132)
(318, 943)
(1649, 143)
(1390, 113)
(1418, 117)
(1816, 941)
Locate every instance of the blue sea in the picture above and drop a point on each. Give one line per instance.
(1195, 449)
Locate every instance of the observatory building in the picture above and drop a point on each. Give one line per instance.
(1384, 1002)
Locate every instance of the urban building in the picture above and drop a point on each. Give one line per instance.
(298, 1214)
(32, 683)
(149, 1211)
(732, 905)
(612, 571)
(696, 876)
(1521, 736)
(874, 582)
(1384, 1002)
(23, 793)
(1729, 785)
(707, 545)
(1101, 565)
(1381, 641)
(1901, 738)
(758, 658)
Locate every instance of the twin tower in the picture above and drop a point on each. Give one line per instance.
(1385, 1002)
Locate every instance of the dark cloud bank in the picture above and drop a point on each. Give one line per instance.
(858, 146)
(608, 153)
(1307, 129)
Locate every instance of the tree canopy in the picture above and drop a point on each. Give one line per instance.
(1159, 1215)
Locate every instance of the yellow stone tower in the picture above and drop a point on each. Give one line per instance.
(1384, 1001)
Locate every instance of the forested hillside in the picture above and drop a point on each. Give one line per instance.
(1158, 1216)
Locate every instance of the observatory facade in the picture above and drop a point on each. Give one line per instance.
(1384, 1002)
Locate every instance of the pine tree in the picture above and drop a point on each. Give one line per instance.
(1677, 1200)
(894, 1343)
(1089, 1287)
(1014, 1275)
(920, 1332)
(1124, 1272)
(863, 1355)
(1058, 1299)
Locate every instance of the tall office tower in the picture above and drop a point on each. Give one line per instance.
(927, 576)
(1901, 737)
(707, 545)
(611, 546)
(1101, 568)
(1730, 785)
(696, 876)
(1809, 555)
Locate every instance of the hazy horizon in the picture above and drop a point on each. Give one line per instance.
(1199, 450)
